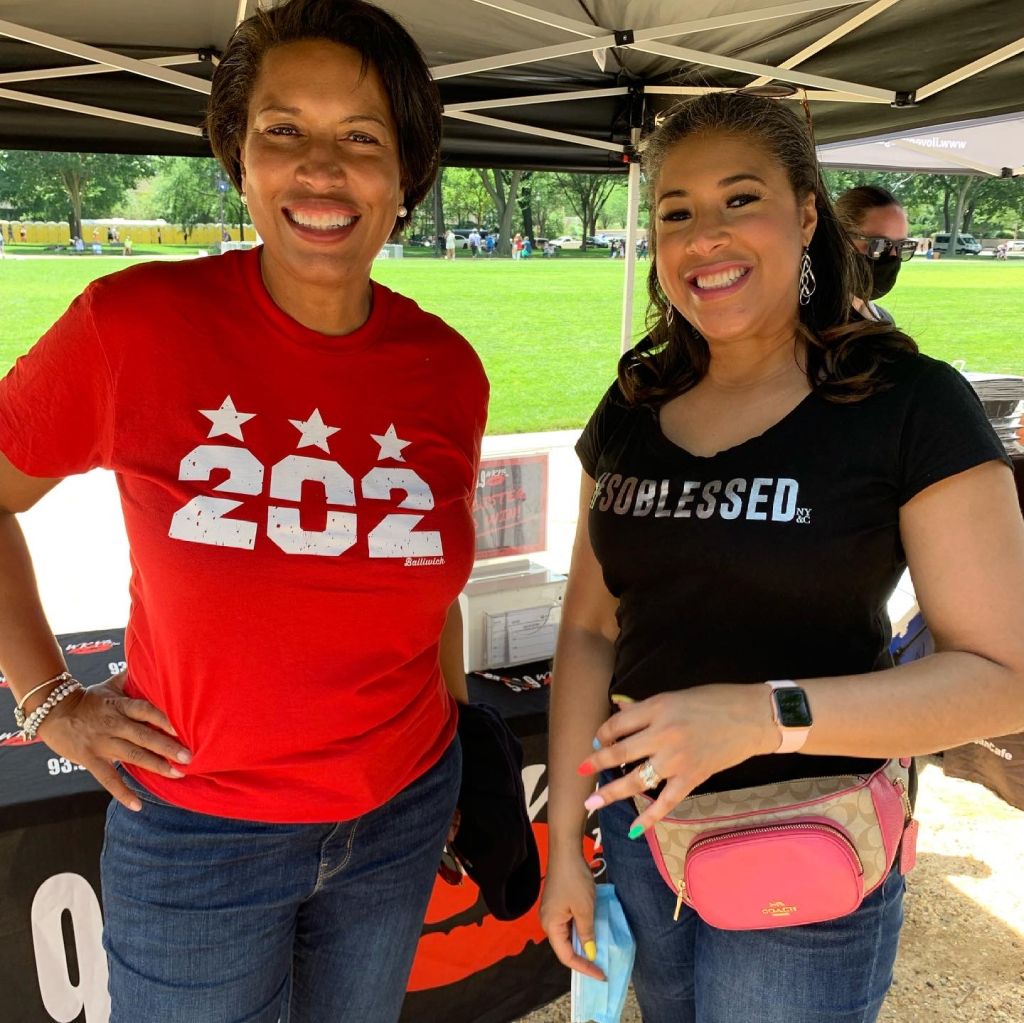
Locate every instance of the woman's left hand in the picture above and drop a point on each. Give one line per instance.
(686, 736)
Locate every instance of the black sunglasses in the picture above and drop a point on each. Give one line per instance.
(879, 247)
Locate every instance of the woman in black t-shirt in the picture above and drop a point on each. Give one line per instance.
(755, 482)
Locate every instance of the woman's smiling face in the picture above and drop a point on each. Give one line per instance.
(730, 233)
(320, 162)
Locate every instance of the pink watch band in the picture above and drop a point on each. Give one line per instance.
(791, 739)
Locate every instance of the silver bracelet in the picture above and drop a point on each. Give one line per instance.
(38, 716)
(19, 711)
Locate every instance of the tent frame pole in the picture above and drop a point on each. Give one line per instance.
(111, 115)
(632, 223)
(45, 74)
(527, 129)
(98, 56)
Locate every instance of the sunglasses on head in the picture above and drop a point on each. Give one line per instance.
(879, 247)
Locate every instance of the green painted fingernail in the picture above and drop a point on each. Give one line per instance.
(636, 831)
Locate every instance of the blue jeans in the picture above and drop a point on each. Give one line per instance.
(213, 920)
(690, 972)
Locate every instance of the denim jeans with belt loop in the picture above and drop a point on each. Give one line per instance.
(214, 920)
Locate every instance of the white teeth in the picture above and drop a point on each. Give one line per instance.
(320, 221)
(720, 280)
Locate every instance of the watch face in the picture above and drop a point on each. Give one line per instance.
(794, 710)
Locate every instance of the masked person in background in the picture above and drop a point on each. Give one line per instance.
(877, 225)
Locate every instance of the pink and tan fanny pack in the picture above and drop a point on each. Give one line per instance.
(787, 853)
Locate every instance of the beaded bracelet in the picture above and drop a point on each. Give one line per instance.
(19, 711)
(36, 718)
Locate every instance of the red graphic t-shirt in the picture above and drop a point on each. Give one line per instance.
(298, 508)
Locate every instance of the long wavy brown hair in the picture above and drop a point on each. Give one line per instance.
(844, 351)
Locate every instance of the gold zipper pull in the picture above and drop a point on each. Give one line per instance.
(908, 810)
(681, 886)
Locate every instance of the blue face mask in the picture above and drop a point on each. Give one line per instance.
(596, 1000)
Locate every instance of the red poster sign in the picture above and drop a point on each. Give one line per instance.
(511, 505)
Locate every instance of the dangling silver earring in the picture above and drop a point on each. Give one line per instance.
(243, 199)
(402, 213)
(670, 315)
(807, 281)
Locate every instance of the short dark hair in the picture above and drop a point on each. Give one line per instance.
(843, 352)
(381, 42)
(855, 202)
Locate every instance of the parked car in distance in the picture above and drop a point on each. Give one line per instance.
(966, 244)
(567, 242)
(598, 241)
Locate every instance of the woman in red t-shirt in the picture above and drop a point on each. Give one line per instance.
(281, 752)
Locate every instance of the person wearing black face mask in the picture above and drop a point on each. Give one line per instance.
(877, 226)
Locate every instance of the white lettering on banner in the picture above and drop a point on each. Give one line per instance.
(64, 1001)
(1004, 754)
(532, 774)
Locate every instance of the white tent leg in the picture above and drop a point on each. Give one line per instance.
(632, 219)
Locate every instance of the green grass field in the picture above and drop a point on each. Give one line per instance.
(547, 330)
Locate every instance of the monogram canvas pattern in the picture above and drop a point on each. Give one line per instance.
(846, 800)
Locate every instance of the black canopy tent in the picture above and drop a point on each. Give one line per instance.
(550, 84)
(120, 76)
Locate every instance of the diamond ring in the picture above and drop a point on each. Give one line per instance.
(648, 776)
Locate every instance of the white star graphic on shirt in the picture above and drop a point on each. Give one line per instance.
(314, 431)
(390, 445)
(226, 419)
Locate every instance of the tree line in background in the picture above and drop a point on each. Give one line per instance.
(187, 191)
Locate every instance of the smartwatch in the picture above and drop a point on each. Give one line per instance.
(791, 712)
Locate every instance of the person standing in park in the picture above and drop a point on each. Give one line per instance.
(755, 482)
(877, 225)
(449, 244)
(474, 243)
(282, 752)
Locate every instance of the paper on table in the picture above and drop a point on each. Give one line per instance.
(532, 632)
(526, 634)
(496, 638)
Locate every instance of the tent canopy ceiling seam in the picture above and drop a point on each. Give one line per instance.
(584, 106)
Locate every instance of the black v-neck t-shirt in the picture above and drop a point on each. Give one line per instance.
(774, 558)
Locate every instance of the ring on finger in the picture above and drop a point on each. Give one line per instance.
(649, 778)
